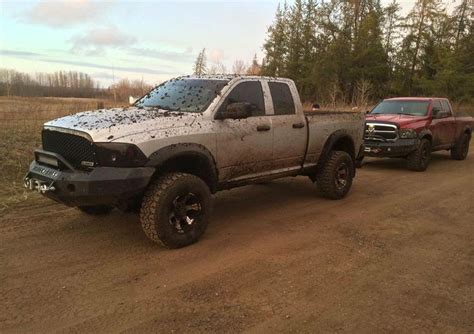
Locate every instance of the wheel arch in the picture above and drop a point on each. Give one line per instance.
(340, 140)
(188, 158)
(426, 134)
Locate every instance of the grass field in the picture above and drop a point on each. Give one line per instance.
(21, 119)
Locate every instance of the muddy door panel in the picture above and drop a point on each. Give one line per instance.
(244, 147)
(290, 130)
(289, 141)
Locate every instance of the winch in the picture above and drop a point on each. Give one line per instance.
(38, 185)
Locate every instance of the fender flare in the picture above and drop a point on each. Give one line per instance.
(425, 133)
(329, 144)
(167, 153)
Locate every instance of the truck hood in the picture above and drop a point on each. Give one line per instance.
(401, 120)
(111, 124)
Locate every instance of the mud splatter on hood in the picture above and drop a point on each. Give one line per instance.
(110, 124)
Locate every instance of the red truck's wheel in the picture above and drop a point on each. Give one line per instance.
(335, 178)
(175, 209)
(419, 159)
(460, 150)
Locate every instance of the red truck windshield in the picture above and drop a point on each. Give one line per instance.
(402, 107)
(185, 95)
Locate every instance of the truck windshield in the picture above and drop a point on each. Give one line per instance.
(401, 107)
(185, 95)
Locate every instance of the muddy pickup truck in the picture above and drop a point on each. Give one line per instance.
(413, 127)
(187, 139)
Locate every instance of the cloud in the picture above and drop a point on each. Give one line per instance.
(184, 56)
(162, 70)
(18, 53)
(95, 40)
(63, 13)
(216, 55)
(168, 69)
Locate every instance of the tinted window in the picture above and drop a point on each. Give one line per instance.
(250, 92)
(446, 106)
(404, 107)
(436, 107)
(283, 103)
(186, 95)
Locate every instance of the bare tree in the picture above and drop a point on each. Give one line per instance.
(362, 94)
(239, 67)
(217, 68)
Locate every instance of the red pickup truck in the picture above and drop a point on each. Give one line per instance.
(412, 128)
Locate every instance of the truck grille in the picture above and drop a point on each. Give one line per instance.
(75, 149)
(380, 132)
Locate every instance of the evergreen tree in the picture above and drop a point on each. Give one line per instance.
(200, 66)
(276, 44)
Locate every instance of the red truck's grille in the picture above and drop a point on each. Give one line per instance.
(380, 132)
(75, 149)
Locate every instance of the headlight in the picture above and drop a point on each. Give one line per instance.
(407, 133)
(119, 155)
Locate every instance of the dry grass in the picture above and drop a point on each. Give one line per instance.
(21, 120)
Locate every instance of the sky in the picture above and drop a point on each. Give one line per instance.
(149, 40)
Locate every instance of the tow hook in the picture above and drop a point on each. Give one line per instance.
(37, 185)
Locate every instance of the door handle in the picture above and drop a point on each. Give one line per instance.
(263, 127)
(298, 125)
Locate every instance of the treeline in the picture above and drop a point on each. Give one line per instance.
(358, 50)
(67, 84)
(60, 84)
(202, 67)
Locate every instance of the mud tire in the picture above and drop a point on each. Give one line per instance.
(419, 159)
(157, 209)
(96, 210)
(461, 149)
(328, 178)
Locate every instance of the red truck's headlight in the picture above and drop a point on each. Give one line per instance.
(119, 155)
(407, 134)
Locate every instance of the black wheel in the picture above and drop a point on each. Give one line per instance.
(358, 162)
(96, 210)
(175, 210)
(460, 150)
(419, 159)
(334, 180)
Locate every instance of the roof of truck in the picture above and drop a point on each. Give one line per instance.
(227, 77)
(418, 98)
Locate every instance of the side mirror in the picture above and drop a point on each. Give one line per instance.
(367, 111)
(440, 113)
(237, 110)
(132, 100)
(316, 106)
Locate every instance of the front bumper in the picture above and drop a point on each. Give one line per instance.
(398, 148)
(99, 186)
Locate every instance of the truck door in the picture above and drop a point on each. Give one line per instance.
(289, 128)
(244, 146)
(450, 123)
(441, 125)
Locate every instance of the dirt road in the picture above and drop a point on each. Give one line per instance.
(396, 255)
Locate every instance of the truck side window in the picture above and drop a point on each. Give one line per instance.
(446, 106)
(248, 91)
(436, 107)
(283, 103)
